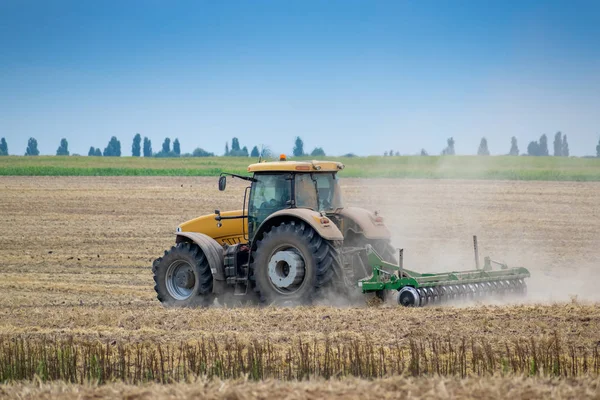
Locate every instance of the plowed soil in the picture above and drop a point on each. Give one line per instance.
(75, 256)
(352, 389)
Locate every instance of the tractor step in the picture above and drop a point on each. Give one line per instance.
(241, 284)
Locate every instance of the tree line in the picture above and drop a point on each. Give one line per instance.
(265, 152)
(168, 149)
(113, 148)
(138, 148)
(535, 148)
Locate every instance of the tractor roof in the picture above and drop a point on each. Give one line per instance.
(296, 166)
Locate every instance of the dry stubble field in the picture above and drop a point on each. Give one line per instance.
(75, 255)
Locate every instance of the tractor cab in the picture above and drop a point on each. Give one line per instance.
(276, 186)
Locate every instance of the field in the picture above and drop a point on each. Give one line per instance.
(353, 389)
(449, 167)
(75, 275)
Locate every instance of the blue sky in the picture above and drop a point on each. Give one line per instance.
(350, 76)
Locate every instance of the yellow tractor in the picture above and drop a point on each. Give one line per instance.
(294, 242)
(284, 247)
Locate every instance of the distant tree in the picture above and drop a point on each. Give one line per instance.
(226, 148)
(136, 147)
(3, 147)
(385, 153)
(236, 150)
(533, 148)
(95, 152)
(391, 153)
(350, 155)
(235, 145)
(113, 149)
(32, 149)
(176, 147)
(598, 149)
(397, 153)
(63, 148)
(147, 147)
(565, 147)
(449, 150)
(265, 152)
(543, 147)
(514, 148)
(298, 147)
(558, 144)
(255, 153)
(318, 152)
(483, 148)
(198, 152)
(424, 153)
(166, 146)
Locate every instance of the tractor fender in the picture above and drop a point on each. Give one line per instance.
(212, 250)
(363, 221)
(328, 231)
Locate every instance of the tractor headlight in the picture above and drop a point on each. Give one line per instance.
(178, 229)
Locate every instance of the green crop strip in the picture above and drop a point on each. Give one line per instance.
(410, 167)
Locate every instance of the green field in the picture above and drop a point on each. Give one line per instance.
(435, 167)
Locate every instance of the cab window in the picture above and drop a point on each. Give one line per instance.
(318, 191)
(329, 191)
(306, 192)
(270, 193)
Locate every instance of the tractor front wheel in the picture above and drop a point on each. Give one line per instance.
(182, 277)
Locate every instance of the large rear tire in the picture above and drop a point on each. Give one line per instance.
(182, 277)
(293, 265)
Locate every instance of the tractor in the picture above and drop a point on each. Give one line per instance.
(293, 242)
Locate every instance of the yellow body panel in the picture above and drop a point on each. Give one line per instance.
(231, 231)
(297, 166)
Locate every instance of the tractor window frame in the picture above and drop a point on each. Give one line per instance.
(306, 202)
(334, 197)
(258, 213)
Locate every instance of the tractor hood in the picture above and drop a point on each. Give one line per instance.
(231, 232)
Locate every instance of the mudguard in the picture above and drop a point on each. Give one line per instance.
(212, 250)
(363, 221)
(328, 231)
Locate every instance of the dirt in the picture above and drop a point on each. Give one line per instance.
(75, 256)
(392, 388)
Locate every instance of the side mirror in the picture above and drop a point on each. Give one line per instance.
(222, 182)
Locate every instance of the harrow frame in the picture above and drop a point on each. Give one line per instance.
(428, 288)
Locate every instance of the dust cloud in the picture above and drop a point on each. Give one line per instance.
(551, 228)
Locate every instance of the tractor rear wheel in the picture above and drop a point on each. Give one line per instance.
(182, 277)
(293, 265)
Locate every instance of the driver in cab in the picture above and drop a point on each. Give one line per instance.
(273, 195)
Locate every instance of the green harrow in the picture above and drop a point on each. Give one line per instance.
(415, 289)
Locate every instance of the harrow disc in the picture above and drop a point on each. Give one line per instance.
(411, 297)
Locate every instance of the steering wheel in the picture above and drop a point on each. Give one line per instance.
(265, 209)
(325, 204)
